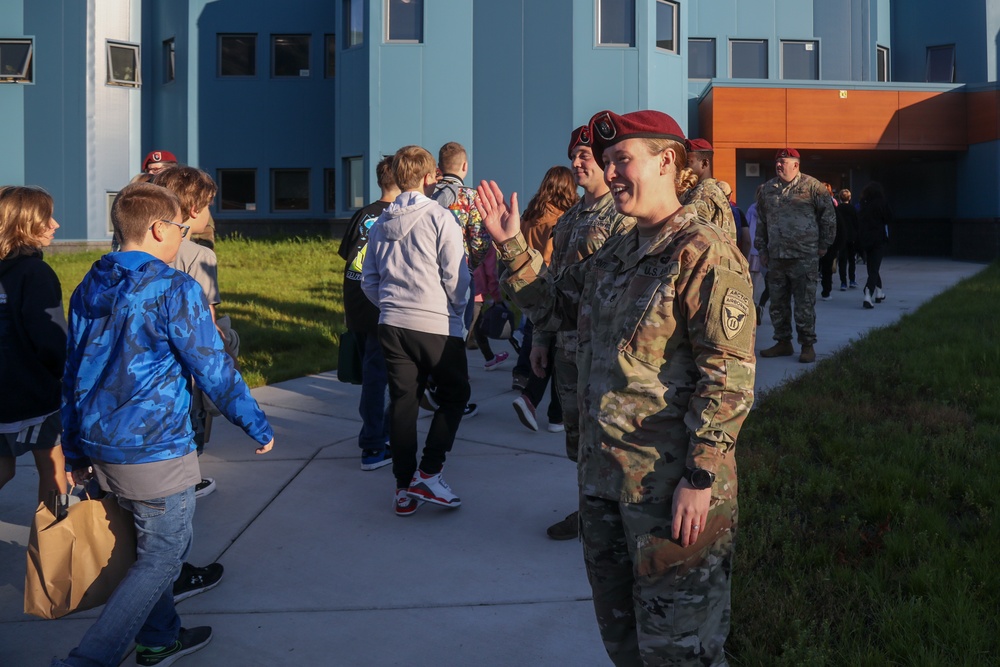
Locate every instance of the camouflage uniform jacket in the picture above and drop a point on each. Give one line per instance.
(458, 198)
(139, 331)
(795, 220)
(712, 205)
(666, 355)
(577, 235)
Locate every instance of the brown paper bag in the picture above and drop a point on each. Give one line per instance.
(75, 563)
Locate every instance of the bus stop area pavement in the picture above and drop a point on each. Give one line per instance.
(319, 569)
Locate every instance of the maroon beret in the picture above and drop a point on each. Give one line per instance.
(699, 146)
(608, 128)
(580, 137)
(786, 152)
(158, 156)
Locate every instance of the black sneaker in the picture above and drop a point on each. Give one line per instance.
(188, 641)
(204, 487)
(194, 580)
(471, 410)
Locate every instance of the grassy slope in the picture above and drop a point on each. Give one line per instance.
(869, 529)
(284, 297)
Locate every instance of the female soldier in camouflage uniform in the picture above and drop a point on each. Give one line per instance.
(666, 323)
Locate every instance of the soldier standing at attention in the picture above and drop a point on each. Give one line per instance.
(580, 231)
(666, 362)
(796, 223)
(707, 195)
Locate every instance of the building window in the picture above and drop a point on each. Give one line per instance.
(666, 25)
(289, 189)
(15, 61)
(237, 55)
(748, 58)
(404, 21)
(616, 22)
(169, 60)
(330, 189)
(355, 185)
(800, 60)
(289, 55)
(354, 22)
(701, 58)
(882, 54)
(238, 189)
(941, 64)
(331, 56)
(123, 64)
(110, 199)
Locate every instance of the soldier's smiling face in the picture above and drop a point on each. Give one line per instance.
(587, 174)
(634, 175)
(787, 168)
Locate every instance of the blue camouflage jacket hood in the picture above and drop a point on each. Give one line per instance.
(139, 331)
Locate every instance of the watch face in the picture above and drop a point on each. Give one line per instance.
(701, 479)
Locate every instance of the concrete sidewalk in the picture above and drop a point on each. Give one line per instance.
(319, 570)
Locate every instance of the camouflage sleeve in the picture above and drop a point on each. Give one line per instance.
(204, 357)
(551, 301)
(718, 302)
(826, 215)
(760, 239)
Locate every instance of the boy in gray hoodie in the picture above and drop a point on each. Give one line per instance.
(415, 272)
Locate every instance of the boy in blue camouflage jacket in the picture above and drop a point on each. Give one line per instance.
(138, 332)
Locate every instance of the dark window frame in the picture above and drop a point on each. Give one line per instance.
(169, 60)
(222, 36)
(330, 190)
(353, 39)
(710, 41)
(329, 56)
(931, 51)
(298, 171)
(220, 175)
(274, 55)
(25, 72)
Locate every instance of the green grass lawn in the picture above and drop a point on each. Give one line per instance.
(868, 532)
(284, 297)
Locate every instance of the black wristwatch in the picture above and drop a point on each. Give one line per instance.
(699, 478)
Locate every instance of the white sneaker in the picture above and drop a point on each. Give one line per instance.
(868, 299)
(556, 427)
(432, 489)
(879, 295)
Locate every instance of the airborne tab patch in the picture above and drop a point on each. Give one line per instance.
(735, 309)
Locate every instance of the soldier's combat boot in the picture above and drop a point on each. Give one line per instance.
(808, 354)
(783, 348)
(868, 299)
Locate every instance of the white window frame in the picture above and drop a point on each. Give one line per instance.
(804, 42)
(675, 24)
(715, 61)
(767, 64)
(882, 73)
(111, 80)
(597, 24)
(388, 19)
(26, 73)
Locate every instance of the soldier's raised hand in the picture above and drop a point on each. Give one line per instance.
(501, 219)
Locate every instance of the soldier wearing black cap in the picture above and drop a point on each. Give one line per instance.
(665, 318)
(796, 223)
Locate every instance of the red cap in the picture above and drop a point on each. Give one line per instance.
(158, 156)
(699, 146)
(608, 128)
(786, 152)
(580, 137)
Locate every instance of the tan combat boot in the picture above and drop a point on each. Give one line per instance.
(783, 348)
(808, 354)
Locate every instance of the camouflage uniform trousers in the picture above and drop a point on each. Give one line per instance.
(793, 280)
(657, 603)
(564, 383)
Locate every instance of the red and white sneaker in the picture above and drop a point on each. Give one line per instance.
(525, 410)
(404, 504)
(498, 359)
(432, 489)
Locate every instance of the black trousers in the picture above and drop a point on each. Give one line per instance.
(410, 358)
(873, 257)
(826, 270)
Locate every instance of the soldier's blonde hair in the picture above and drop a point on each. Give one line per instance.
(685, 178)
(24, 219)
